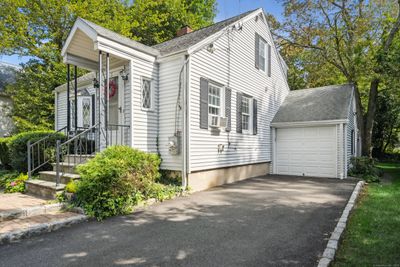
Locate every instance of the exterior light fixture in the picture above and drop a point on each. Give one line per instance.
(211, 48)
(123, 74)
(96, 83)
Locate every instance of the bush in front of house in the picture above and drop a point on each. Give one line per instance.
(115, 180)
(364, 167)
(17, 184)
(4, 152)
(17, 148)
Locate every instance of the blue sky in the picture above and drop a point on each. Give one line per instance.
(225, 9)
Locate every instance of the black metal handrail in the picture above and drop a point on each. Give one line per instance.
(81, 145)
(116, 134)
(41, 159)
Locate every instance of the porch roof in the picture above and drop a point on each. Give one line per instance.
(86, 39)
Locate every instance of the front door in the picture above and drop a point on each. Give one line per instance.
(116, 116)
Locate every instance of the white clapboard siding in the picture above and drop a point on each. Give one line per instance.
(145, 122)
(61, 107)
(238, 72)
(168, 93)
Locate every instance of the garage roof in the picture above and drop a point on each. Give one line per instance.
(316, 104)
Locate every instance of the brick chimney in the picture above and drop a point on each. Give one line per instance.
(184, 30)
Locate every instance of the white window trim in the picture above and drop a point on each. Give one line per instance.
(222, 102)
(262, 41)
(151, 94)
(250, 130)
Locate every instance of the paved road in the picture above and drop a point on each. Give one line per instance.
(269, 221)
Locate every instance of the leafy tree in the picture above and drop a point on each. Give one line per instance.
(352, 41)
(38, 28)
(157, 21)
(387, 122)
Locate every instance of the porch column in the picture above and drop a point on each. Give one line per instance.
(68, 100)
(101, 108)
(76, 97)
(107, 95)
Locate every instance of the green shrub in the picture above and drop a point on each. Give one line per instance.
(71, 187)
(4, 152)
(162, 192)
(18, 148)
(6, 176)
(364, 167)
(17, 184)
(115, 180)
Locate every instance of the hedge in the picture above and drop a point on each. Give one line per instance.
(4, 152)
(17, 147)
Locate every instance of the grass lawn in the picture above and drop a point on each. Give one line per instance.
(372, 237)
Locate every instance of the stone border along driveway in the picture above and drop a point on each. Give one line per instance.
(53, 225)
(333, 243)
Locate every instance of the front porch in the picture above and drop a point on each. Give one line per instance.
(94, 111)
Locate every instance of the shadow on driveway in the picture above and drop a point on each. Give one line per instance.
(265, 221)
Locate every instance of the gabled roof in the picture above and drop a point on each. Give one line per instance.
(184, 42)
(316, 104)
(118, 37)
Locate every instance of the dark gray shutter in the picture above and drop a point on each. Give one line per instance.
(203, 103)
(228, 93)
(257, 52)
(269, 61)
(239, 112)
(254, 116)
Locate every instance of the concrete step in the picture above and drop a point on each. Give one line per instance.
(24, 212)
(65, 178)
(43, 188)
(24, 227)
(65, 167)
(77, 159)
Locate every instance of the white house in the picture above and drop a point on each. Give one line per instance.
(205, 101)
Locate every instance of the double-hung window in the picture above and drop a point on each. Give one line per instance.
(246, 114)
(147, 94)
(214, 104)
(262, 54)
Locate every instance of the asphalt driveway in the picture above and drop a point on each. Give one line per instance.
(268, 221)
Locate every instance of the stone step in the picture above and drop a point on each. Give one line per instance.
(65, 167)
(24, 212)
(77, 159)
(43, 188)
(24, 227)
(65, 178)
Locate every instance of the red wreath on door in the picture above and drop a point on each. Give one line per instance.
(112, 85)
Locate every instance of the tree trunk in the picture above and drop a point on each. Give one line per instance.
(359, 110)
(369, 118)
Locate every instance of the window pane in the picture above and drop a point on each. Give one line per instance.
(214, 103)
(262, 48)
(146, 94)
(86, 107)
(245, 122)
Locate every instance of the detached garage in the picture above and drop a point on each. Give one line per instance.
(315, 133)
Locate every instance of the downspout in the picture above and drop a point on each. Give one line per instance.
(185, 122)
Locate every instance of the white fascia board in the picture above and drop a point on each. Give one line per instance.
(173, 56)
(216, 35)
(80, 62)
(84, 28)
(307, 123)
(120, 50)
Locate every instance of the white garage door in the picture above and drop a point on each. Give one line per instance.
(308, 151)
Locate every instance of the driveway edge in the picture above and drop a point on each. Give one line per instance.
(333, 242)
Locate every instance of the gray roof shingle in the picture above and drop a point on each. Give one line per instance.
(186, 41)
(316, 104)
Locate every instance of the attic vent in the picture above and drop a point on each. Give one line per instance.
(185, 30)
